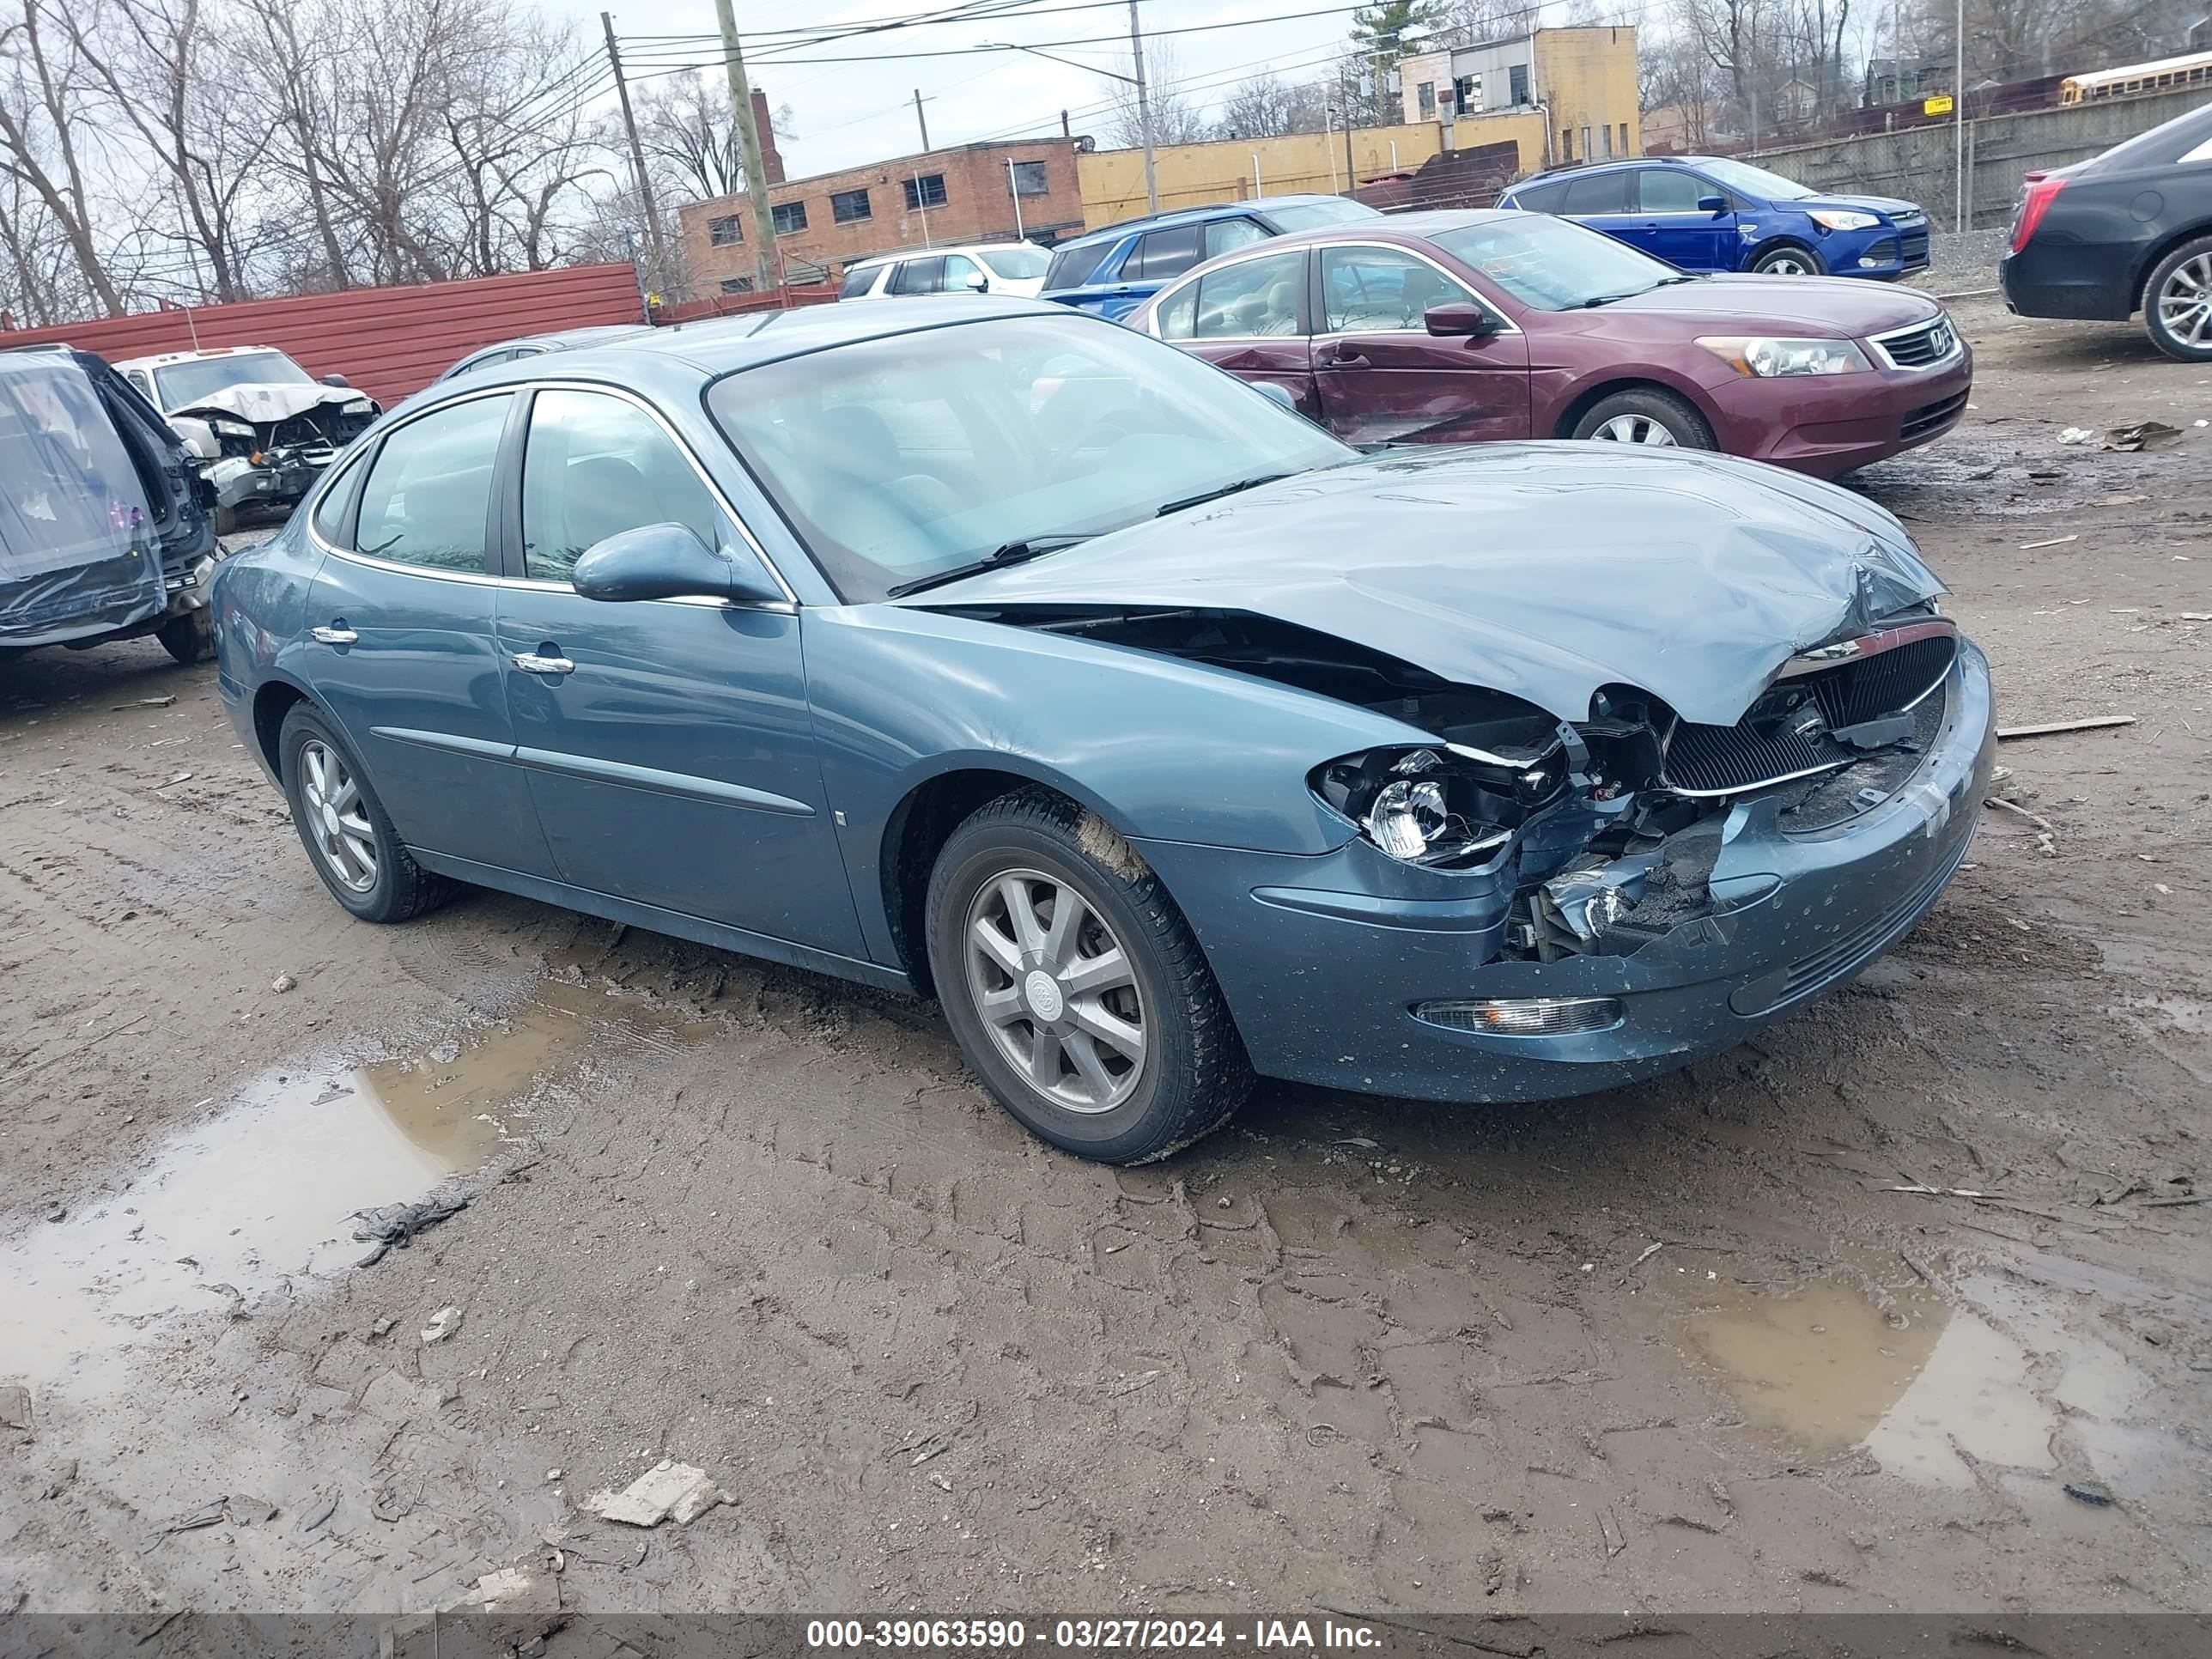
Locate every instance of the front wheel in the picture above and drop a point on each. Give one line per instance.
(1074, 986)
(2178, 302)
(1786, 262)
(1645, 416)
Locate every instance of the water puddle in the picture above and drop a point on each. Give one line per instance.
(263, 1192)
(1830, 1368)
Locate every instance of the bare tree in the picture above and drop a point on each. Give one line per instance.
(42, 81)
(1267, 106)
(1177, 118)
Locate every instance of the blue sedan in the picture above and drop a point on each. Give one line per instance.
(1012, 657)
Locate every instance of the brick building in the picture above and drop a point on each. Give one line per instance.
(824, 223)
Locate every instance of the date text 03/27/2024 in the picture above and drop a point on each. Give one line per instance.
(1279, 1635)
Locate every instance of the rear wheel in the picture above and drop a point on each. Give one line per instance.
(1074, 986)
(2178, 302)
(349, 838)
(1645, 416)
(189, 637)
(1788, 261)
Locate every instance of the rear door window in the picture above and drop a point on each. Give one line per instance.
(1600, 192)
(1072, 266)
(1166, 252)
(919, 276)
(1540, 198)
(429, 491)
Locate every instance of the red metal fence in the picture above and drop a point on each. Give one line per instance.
(733, 305)
(389, 341)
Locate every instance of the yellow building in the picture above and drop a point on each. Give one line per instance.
(1581, 81)
(1112, 182)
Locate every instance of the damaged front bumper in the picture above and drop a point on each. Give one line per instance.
(282, 477)
(1345, 969)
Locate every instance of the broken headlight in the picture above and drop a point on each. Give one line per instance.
(1449, 807)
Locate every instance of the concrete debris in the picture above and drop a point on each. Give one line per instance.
(2077, 434)
(15, 1408)
(2093, 723)
(2094, 1493)
(443, 1323)
(243, 1511)
(518, 1590)
(282, 983)
(668, 1488)
(2143, 435)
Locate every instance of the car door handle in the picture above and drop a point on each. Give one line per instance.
(531, 663)
(1344, 359)
(334, 635)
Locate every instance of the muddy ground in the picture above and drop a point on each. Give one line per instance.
(1692, 1345)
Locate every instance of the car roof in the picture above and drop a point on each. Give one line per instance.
(1397, 227)
(716, 346)
(1583, 170)
(898, 253)
(1191, 216)
(163, 358)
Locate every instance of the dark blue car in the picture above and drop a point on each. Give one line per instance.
(1002, 653)
(1114, 270)
(1711, 213)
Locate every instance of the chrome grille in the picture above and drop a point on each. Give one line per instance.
(1790, 731)
(1921, 346)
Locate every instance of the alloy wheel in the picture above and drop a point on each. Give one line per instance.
(1055, 991)
(2185, 303)
(1786, 264)
(337, 819)
(1635, 430)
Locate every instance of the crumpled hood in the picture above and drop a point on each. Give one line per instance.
(269, 401)
(1546, 570)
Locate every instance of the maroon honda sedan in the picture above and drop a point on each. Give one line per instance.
(1457, 327)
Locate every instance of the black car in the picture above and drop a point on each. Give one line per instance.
(104, 520)
(2130, 230)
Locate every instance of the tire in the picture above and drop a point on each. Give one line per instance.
(1789, 260)
(1188, 1075)
(225, 520)
(2178, 302)
(375, 877)
(1647, 415)
(189, 637)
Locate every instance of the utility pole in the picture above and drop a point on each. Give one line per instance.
(1351, 180)
(1014, 190)
(921, 119)
(1958, 126)
(748, 149)
(1143, 107)
(636, 151)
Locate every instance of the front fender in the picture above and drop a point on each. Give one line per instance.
(1161, 749)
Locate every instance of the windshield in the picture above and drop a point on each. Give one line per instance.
(186, 384)
(1754, 181)
(1016, 264)
(899, 458)
(1305, 215)
(1553, 264)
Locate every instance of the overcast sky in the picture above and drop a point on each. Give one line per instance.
(845, 113)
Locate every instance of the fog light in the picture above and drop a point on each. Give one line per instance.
(1524, 1016)
(1869, 265)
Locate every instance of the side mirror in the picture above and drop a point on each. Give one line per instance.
(669, 561)
(975, 283)
(1461, 317)
(338, 380)
(1712, 204)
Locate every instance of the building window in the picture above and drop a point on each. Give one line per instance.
(724, 232)
(849, 206)
(736, 285)
(1425, 92)
(925, 191)
(1029, 180)
(1624, 137)
(1517, 81)
(1605, 133)
(1467, 94)
(1589, 154)
(788, 217)
(1566, 144)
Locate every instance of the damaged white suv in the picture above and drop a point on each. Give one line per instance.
(262, 428)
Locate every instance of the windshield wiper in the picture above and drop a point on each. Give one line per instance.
(1205, 495)
(1630, 294)
(1016, 552)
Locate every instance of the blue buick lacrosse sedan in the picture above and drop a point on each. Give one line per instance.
(1000, 654)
